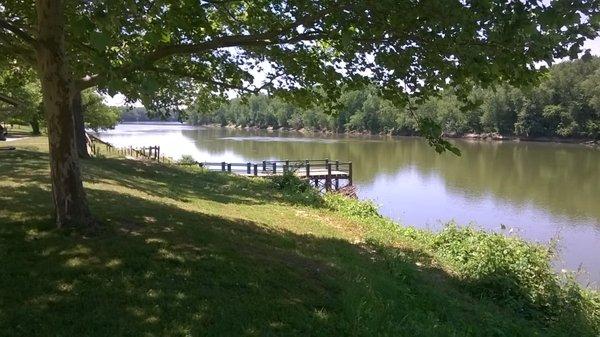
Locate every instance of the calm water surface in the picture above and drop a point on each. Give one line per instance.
(539, 191)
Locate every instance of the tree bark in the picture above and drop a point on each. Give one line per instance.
(70, 203)
(81, 138)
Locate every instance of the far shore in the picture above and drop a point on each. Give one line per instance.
(467, 136)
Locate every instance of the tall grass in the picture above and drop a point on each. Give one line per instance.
(509, 270)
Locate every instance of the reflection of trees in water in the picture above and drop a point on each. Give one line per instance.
(564, 179)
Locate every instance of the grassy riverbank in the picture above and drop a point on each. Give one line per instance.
(189, 252)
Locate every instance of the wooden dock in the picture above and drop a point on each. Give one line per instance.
(322, 173)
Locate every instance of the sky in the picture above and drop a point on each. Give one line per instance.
(118, 100)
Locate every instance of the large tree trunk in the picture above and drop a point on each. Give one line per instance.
(70, 204)
(81, 138)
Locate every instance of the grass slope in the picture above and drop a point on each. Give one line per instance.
(185, 252)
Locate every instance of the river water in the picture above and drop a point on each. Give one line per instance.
(539, 191)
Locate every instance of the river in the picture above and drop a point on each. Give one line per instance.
(539, 191)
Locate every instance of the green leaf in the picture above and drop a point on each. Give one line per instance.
(165, 37)
(99, 40)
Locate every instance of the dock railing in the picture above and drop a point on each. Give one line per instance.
(323, 173)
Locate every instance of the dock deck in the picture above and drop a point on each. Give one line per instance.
(323, 173)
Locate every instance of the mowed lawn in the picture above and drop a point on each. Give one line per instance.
(184, 252)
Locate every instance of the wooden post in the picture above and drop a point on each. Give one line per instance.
(229, 168)
(223, 166)
(308, 170)
(158, 153)
(328, 177)
(350, 174)
(255, 170)
(264, 165)
(274, 167)
(248, 168)
(337, 165)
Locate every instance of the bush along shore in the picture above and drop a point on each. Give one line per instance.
(183, 251)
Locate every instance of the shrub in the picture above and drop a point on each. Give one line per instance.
(186, 159)
(511, 271)
(290, 182)
(297, 189)
(507, 269)
(353, 207)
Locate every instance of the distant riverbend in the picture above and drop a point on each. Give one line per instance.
(539, 191)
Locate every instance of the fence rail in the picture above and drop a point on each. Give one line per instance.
(323, 173)
(151, 152)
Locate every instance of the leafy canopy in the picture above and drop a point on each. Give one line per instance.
(162, 51)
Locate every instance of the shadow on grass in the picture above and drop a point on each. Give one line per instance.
(23, 166)
(178, 183)
(159, 270)
(182, 183)
(167, 271)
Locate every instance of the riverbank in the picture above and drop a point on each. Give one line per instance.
(486, 136)
(185, 251)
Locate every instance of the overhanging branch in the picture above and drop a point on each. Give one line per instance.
(9, 100)
(20, 33)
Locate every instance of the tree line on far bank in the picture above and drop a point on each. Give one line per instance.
(565, 103)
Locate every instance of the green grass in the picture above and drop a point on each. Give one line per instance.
(185, 252)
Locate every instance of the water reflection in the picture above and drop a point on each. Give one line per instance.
(541, 190)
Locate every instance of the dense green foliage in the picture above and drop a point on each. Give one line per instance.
(21, 84)
(160, 52)
(566, 103)
(508, 270)
(141, 114)
(96, 114)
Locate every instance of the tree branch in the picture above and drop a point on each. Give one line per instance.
(225, 42)
(198, 78)
(273, 37)
(9, 100)
(86, 82)
(18, 32)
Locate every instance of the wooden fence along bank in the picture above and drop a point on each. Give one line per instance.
(146, 152)
(323, 174)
